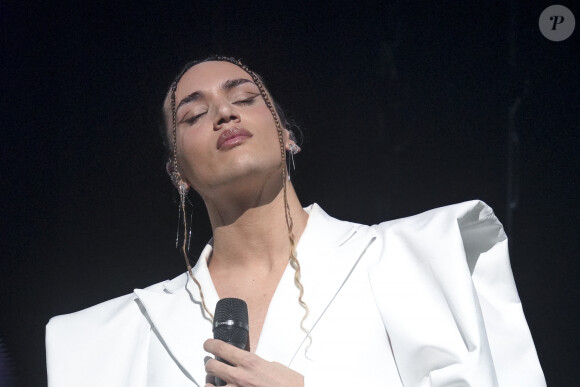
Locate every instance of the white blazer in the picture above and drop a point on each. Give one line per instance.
(427, 300)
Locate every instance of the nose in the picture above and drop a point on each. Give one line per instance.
(226, 113)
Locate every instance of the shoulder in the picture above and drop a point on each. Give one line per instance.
(470, 227)
(441, 246)
(464, 215)
(124, 308)
(99, 342)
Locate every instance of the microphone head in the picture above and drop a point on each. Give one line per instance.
(230, 323)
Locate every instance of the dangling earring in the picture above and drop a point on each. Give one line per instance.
(178, 224)
(183, 189)
(190, 226)
(180, 208)
(294, 149)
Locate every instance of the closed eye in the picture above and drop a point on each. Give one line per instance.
(247, 101)
(193, 120)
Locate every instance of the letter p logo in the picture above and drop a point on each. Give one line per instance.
(557, 20)
(557, 23)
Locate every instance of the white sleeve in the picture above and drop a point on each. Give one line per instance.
(444, 288)
(512, 348)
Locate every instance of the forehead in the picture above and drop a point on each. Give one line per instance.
(208, 75)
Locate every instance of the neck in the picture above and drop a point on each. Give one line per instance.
(250, 231)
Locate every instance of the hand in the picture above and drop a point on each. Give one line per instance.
(250, 370)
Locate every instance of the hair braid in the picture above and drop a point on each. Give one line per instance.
(183, 194)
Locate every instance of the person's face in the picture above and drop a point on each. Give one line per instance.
(225, 131)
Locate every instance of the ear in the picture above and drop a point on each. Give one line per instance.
(175, 176)
(290, 142)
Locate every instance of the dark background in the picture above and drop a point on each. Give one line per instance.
(404, 105)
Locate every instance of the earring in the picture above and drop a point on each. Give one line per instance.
(293, 149)
(180, 207)
(183, 189)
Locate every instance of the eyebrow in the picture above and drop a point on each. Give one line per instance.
(227, 86)
(231, 83)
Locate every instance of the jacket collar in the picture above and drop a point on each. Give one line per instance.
(328, 251)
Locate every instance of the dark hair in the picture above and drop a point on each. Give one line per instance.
(164, 127)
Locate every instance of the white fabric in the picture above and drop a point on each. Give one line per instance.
(427, 300)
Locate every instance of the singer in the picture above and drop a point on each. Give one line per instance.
(427, 300)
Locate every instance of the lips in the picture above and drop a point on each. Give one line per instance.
(232, 137)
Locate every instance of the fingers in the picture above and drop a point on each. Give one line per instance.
(216, 368)
(246, 369)
(241, 367)
(209, 379)
(225, 351)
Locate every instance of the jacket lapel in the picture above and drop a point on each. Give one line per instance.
(177, 318)
(328, 251)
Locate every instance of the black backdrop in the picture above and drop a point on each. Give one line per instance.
(405, 106)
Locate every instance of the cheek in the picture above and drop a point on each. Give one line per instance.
(194, 148)
(264, 122)
(266, 114)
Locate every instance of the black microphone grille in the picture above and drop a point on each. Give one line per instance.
(231, 311)
(230, 323)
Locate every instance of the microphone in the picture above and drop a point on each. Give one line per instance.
(230, 324)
